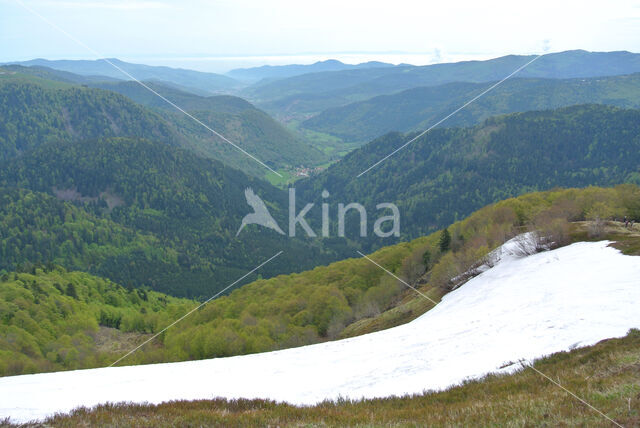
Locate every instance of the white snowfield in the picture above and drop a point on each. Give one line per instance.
(522, 308)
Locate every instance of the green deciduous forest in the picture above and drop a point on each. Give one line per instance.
(54, 320)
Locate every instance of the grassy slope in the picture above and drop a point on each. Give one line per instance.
(607, 375)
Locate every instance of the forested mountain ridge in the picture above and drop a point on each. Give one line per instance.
(235, 118)
(448, 173)
(419, 108)
(56, 75)
(36, 109)
(34, 114)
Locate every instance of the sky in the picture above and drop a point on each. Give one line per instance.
(218, 35)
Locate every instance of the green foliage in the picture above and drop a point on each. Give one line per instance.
(47, 327)
(34, 114)
(35, 227)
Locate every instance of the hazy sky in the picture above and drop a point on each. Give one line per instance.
(217, 35)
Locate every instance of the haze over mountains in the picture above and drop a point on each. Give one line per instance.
(200, 82)
(301, 96)
(271, 72)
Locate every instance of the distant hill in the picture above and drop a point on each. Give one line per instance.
(419, 108)
(448, 173)
(235, 118)
(255, 74)
(311, 93)
(57, 75)
(198, 81)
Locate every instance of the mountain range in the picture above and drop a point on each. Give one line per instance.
(305, 95)
(271, 72)
(196, 81)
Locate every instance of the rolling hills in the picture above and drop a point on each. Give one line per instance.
(305, 95)
(418, 108)
(196, 81)
(36, 111)
(271, 72)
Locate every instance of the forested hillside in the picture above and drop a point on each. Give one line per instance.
(448, 173)
(419, 108)
(35, 227)
(343, 299)
(194, 206)
(36, 111)
(236, 119)
(55, 320)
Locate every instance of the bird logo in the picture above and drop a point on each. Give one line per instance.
(260, 214)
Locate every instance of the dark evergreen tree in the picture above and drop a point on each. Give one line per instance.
(445, 241)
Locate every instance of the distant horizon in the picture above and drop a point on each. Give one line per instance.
(224, 63)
